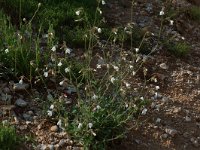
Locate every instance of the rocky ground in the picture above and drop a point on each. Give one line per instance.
(171, 121)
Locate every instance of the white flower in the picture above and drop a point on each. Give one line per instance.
(6, 51)
(98, 66)
(99, 30)
(157, 87)
(60, 64)
(53, 48)
(78, 12)
(103, 2)
(144, 111)
(171, 22)
(130, 66)
(61, 83)
(133, 73)
(90, 125)
(127, 85)
(162, 12)
(49, 113)
(39, 4)
(94, 96)
(59, 123)
(137, 50)
(21, 81)
(98, 107)
(80, 125)
(52, 106)
(99, 10)
(116, 68)
(67, 70)
(67, 51)
(182, 38)
(94, 134)
(112, 79)
(126, 105)
(142, 98)
(46, 74)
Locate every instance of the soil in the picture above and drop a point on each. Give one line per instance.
(172, 120)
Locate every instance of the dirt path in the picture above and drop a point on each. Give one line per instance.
(173, 118)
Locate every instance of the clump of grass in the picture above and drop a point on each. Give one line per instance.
(8, 137)
(194, 13)
(179, 49)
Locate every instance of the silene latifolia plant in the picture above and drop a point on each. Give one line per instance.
(104, 102)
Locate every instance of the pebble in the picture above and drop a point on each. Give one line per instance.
(187, 119)
(20, 87)
(51, 147)
(164, 66)
(177, 110)
(27, 117)
(164, 136)
(171, 132)
(30, 112)
(21, 103)
(61, 143)
(54, 128)
(158, 120)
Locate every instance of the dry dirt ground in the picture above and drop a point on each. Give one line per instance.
(172, 120)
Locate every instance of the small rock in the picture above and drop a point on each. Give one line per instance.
(153, 105)
(186, 134)
(177, 110)
(171, 132)
(54, 128)
(187, 119)
(43, 147)
(158, 120)
(164, 66)
(21, 103)
(51, 147)
(20, 87)
(30, 112)
(61, 143)
(164, 136)
(27, 117)
(165, 99)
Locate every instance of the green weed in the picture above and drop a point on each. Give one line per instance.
(8, 137)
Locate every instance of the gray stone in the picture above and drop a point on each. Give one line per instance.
(188, 119)
(27, 117)
(21, 103)
(171, 131)
(61, 143)
(20, 87)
